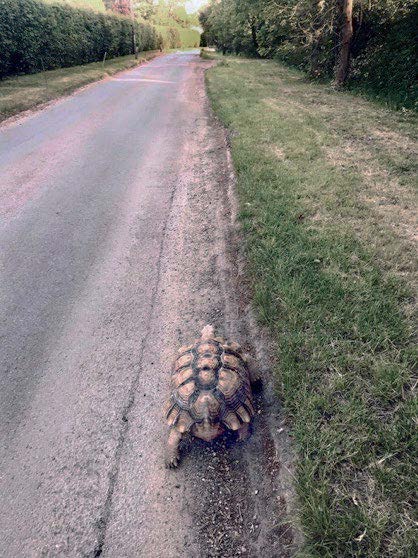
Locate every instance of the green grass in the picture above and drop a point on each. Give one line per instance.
(326, 184)
(26, 92)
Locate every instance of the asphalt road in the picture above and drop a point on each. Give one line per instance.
(118, 243)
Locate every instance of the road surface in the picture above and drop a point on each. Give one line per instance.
(118, 243)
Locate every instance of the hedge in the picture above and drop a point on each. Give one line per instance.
(96, 5)
(36, 36)
(388, 66)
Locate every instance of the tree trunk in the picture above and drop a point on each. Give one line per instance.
(343, 61)
(254, 36)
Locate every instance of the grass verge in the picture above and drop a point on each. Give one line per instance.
(26, 92)
(326, 186)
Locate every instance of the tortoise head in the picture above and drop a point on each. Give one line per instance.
(206, 430)
(208, 332)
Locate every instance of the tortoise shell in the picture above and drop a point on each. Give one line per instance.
(210, 380)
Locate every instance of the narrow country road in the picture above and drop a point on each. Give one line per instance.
(118, 243)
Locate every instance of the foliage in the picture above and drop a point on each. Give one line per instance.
(170, 36)
(228, 25)
(36, 36)
(121, 7)
(145, 9)
(189, 38)
(386, 68)
(307, 34)
(171, 21)
(178, 37)
(172, 13)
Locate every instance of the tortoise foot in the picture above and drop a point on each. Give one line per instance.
(172, 455)
(172, 461)
(244, 433)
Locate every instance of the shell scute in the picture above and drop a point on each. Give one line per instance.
(207, 347)
(184, 422)
(229, 382)
(206, 406)
(232, 421)
(243, 414)
(185, 349)
(186, 390)
(231, 361)
(249, 405)
(179, 377)
(172, 415)
(183, 360)
(207, 378)
(207, 362)
(234, 347)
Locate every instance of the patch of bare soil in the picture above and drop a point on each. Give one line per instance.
(278, 152)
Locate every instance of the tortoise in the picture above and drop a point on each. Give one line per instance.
(210, 392)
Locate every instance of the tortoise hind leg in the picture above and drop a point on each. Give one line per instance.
(244, 432)
(172, 455)
(254, 370)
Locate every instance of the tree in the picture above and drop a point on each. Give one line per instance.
(121, 7)
(144, 9)
(343, 60)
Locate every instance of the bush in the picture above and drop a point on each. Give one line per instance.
(388, 66)
(203, 40)
(35, 36)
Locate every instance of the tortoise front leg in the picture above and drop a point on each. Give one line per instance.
(172, 455)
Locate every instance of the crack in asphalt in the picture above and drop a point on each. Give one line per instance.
(113, 475)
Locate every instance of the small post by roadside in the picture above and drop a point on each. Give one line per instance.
(43, 72)
(104, 60)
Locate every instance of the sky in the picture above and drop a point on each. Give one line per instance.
(194, 5)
